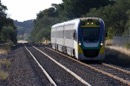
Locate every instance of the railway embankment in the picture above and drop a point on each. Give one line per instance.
(5, 48)
(4, 71)
(5, 62)
(19, 71)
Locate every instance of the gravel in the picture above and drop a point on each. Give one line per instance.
(25, 72)
(60, 76)
(94, 78)
(21, 72)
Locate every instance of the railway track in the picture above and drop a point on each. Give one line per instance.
(58, 74)
(95, 74)
(111, 71)
(114, 72)
(43, 70)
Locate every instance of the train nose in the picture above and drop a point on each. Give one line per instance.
(91, 53)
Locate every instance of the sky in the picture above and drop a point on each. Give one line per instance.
(22, 10)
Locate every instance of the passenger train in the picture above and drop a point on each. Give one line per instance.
(83, 38)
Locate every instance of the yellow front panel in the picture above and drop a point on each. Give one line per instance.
(80, 50)
(102, 50)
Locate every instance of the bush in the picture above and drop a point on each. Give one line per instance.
(128, 45)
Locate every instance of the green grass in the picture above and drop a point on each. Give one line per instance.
(128, 46)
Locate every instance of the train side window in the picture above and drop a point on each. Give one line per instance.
(106, 34)
(74, 34)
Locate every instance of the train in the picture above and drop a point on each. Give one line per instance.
(82, 38)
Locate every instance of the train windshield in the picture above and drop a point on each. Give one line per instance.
(90, 34)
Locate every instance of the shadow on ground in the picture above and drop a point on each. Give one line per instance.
(117, 58)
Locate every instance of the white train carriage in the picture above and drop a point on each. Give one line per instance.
(68, 37)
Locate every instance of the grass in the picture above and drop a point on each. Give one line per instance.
(46, 42)
(5, 62)
(3, 75)
(120, 54)
(3, 51)
(121, 49)
(108, 42)
(4, 65)
(128, 46)
(5, 48)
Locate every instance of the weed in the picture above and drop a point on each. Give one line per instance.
(128, 46)
(4, 66)
(5, 48)
(5, 62)
(3, 75)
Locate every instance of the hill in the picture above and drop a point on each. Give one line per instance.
(23, 29)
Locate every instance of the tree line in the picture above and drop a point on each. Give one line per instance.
(115, 13)
(8, 30)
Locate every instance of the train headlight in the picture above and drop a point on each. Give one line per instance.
(87, 22)
(79, 43)
(92, 23)
(101, 44)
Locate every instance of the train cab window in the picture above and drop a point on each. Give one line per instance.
(90, 34)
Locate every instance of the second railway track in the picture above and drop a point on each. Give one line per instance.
(86, 72)
(114, 72)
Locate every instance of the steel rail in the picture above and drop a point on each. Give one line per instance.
(43, 70)
(94, 68)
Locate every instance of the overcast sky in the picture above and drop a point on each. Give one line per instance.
(26, 9)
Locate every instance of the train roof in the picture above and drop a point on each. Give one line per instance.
(85, 18)
(74, 21)
(66, 22)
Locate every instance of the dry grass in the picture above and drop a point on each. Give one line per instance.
(3, 75)
(46, 42)
(5, 62)
(118, 55)
(5, 48)
(120, 49)
(2, 51)
(4, 65)
(109, 42)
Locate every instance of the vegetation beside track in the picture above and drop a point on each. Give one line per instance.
(4, 66)
(5, 47)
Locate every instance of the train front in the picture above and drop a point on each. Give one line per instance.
(91, 39)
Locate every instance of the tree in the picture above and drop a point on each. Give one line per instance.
(9, 34)
(77, 8)
(67, 10)
(2, 15)
(42, 25)
(7, 27)
(61, 12)
(115, 16)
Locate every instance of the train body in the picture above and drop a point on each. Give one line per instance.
(83, 38)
